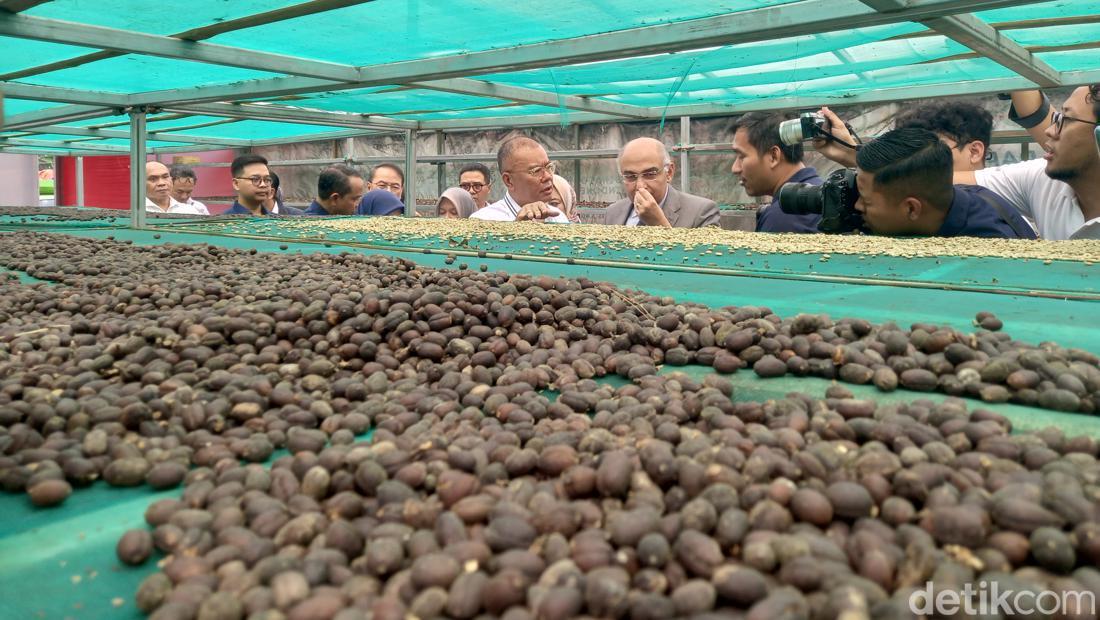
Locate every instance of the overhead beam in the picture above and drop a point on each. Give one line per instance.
(62, 145)
(15, 6)
(153, 135)
(878, 95)
(197, 34)
(333, 135)
(536, 120)
(128, 41)
(773, 22)
(57, 94)
(464, 86)
(293, 115)
(60, 114)
(985, 40)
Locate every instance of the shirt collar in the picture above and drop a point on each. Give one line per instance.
(239, 208)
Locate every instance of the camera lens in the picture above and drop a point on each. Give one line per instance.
(800, 199)
(790, 132)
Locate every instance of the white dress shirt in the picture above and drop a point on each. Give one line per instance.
(507, 209)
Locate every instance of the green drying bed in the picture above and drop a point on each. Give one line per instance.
(60, 563)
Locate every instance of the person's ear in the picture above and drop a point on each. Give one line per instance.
(506, 177)
(773, 157)
(913, 208)
(976, 152)
(671, 170)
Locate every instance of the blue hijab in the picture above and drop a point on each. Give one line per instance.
(379, 202)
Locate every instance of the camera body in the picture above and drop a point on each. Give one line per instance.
(807, 126)
(835, 200)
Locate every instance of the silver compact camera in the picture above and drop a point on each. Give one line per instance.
(807, 126)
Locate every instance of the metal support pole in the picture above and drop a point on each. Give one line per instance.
(80, 181)
(685, 160)
(1025, 151)
(440, 168)
(410, 173)
(137, 168)
(577, 162)
(349, 150)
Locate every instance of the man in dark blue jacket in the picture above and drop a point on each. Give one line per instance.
(764, 164)
(252, 180)
(339, 190)
(904, 179)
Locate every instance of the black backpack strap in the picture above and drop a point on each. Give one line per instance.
(1018, 225)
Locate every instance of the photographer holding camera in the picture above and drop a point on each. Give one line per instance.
(903, 187)
(765, 162)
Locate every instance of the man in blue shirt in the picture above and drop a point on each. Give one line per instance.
(764, 164)
(339, 190)
(252, 180)
(904, 179)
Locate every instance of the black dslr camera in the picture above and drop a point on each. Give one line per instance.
(835, 200)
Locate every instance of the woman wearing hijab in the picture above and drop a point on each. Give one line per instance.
(455, 203)
(380, 202)
(566, 199)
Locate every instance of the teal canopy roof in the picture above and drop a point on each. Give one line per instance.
(216, 74)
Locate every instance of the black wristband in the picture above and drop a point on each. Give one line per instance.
(1033, 119)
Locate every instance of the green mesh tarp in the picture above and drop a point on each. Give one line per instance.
(399, 59)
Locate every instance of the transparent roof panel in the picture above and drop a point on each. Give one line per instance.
(259, 130)
(19, 106)
(393, 30)
(403, 101)
(154, 18)
(1059, 9)
(19, 54)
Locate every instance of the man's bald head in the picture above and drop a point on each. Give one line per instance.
(644, 163)
(642, 147)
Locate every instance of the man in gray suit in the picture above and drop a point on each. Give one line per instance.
(647, 170)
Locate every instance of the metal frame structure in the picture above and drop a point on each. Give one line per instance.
(271, 99)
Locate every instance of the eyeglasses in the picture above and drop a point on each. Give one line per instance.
(549, 168)
(1059, 121)
(257, 180)
(648, 175)
(393, 187)
(472, 187)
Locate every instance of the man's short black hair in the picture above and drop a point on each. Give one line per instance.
(910, 162)
(394, 167)
(335, 180)
(762, 129)
(962, 121)
(477, 167)
(1093, 97)
(239, 163)
(182, 171)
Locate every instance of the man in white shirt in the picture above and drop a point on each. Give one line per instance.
(1061, 191)
(158, 191)
(183, 185)
(528, 174)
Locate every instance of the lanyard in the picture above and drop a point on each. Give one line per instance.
(512, 206)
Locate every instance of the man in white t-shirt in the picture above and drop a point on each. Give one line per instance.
(528, 174)
(183, 185)
(1061, 191)
(158, 191)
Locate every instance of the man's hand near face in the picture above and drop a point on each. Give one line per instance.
(537, 211)
(648, 210)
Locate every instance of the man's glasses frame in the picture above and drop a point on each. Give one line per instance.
(257, 180)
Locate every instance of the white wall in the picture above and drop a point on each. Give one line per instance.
(18, 180)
